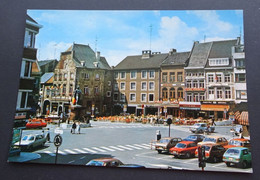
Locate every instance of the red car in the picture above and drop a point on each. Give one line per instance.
(238, 142)
(184, 148)
(36, 124)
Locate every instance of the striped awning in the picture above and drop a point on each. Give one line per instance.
(243, 119)
(237, 115)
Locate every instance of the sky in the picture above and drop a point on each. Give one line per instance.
(118, 34)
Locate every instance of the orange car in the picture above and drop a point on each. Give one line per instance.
(238, 142)
(214, 140)
(109, 162)
(35, 124)
(184, 148)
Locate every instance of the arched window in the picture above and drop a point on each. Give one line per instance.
(180, 92)
(172, 93)
(164, 93)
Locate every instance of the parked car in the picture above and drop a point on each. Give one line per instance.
(201, 128)
(132, 166)
(215, 140)
(238, 142)
(31, 141)
(164, 144)
(36, 124)
(108, 162)
(239, 156)
(195, 138)
(184, 148)
(213, 152)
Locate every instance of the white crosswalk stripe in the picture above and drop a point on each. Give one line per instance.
(133, 147)
(117, 148)
(61, 152)
(106, 148)
(124, 147)
(98, 149)
(70, 151)
(90, 150)
(148, 145)
(145, 147)
(81, 151)
(50, 153)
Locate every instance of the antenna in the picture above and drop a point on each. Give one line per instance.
(96, 44)
(151, 28)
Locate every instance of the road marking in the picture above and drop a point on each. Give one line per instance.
(145, 147)
(92, 151)
(100, 150)
(81, 151)
(83, 157)
(50, 153)
(106, 148)
(117, 148)
(61, 152)
(133, 147)
(71, 162)
(70, 151)
(148, 145)
(124, 147)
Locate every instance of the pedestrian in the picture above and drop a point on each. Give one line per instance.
(73, 128)
(213, 121)
(78, 127)
(48, 135)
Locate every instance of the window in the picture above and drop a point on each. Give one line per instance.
(151, 74)
(202, 97)
(108, 93)
(218, 78)
(132, 86)
(22, 100)
(227, 93)
(151, 85)
(211, 93)
(85, 75)
(70, 89)
(116, 86)
(195, 84)
(29, 39)
(109, 83)
(151, 97)
(196, 97)
(122, 86)
(55, 77)
(143, 97)
(96, 90)
(116, 75)
(241, 94)
(172, 93)
(60, 77)
(133, 75)
(240, 78)
(65, 76)
(188, 84)
(86, 90)
(97, 77)
(219, 93)
(144, 74)
(219, 62)
(240, 63)
(210, 78)
(71, 76)
(26, 68)
(64, 89)
(165, 93)
(164, 77)
(180, 92)
(172, 76)
(227, 78)
(144, 85)
(122, 75)
(189, 97)
(132, 97)
(179, 76)
(122, 98)
(201, 84)
(115, 96)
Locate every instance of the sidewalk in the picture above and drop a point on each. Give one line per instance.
(24, 157)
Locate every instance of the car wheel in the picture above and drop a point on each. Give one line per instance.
(243, 164)
(159, 151)
(228, 164)
(215, 159)
(188, 155)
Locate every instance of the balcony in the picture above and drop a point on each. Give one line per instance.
(29, 53)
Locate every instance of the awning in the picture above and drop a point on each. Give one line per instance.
(243, 120)
(214, 107)
(237, 115)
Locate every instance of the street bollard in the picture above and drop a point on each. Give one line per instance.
(158, 135)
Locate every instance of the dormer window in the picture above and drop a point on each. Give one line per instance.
(219, 62)
(95, 64)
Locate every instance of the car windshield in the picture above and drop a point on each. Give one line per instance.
(164, 140)
(207, 148)
(209, 140)
(232, 151)
(180, 145)
(197, 124)
(28, 138)
(236, 143)
(95, 163)
(192, 137)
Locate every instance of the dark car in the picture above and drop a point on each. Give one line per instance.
(195, 138)
(108, 162)
(213, 152)
(164, 144)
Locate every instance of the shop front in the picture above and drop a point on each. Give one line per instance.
(215, 109)
(190, 109)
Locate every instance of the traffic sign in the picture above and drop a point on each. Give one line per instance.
(57, 140)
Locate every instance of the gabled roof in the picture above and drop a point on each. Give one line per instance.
(176, 59)
(44, 62)
(222, 49)
(46, 77)
(83, 53)
(199, 55)
(136, 62)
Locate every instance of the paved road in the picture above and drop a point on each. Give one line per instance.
(131, 143)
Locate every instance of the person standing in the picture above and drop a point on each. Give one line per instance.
(78, 128)
(48, 135)
(73, 128)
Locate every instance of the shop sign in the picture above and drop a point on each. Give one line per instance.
(194, 89)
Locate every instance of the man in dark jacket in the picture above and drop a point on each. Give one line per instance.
(73, 128)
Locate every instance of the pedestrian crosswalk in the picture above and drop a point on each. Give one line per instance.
(101, 149)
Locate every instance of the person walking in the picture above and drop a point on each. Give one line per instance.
(78, 128)
(73, 128)
(48, 135)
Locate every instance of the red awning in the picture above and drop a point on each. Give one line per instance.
(237, 115)
(243, 119)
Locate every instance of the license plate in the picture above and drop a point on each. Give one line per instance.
(175, 152)
(230, 159)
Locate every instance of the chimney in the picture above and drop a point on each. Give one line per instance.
(98, 56)
(172, 51)
(146, 54)
(238, 41)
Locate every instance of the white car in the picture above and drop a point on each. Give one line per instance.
(31, 141)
